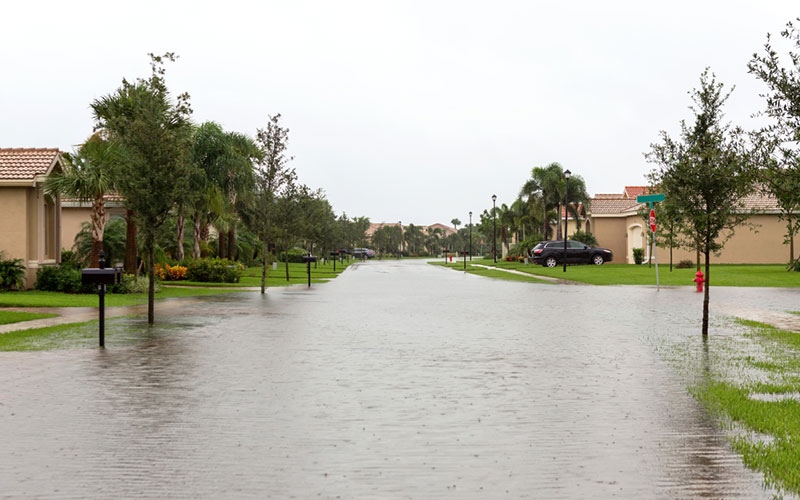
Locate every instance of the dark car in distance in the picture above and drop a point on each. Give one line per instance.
(551, 253)
(361, 253)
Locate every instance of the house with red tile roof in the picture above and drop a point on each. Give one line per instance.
(30, 222)
(615, 221)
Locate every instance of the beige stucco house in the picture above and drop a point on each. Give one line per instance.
(617, 225)
(30, 222)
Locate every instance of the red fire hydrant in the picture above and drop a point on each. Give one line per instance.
(451, 257)
(699, 280)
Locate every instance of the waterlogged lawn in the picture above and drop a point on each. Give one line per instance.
(119, 332)
(297, 275)
(759, 275)
(752, 386)
(36, 298)
(7, 317)
(489, 273)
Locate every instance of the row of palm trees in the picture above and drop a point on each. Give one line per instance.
(537, 208)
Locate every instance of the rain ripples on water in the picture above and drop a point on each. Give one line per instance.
(400, 380)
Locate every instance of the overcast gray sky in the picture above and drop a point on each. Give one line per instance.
(406, 110)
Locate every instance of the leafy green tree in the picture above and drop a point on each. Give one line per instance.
(455, 222)
(779, 142)
(705, 174)
(271, 176)
(155, 131)
(88, 177)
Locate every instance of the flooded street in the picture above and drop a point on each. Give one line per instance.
(396, 380)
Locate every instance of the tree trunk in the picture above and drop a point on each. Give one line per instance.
(791, 243)
(705, 295)
(232, 243)
(181, 222)
(286, 259)
(264, 270)
(698, 257)
(222, 245)
(151, 281)
(130, 244)
(98, 218)
(196, 236)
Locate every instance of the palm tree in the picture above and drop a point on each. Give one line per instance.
(87, 177)
(455, 222)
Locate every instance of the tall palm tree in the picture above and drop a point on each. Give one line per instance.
(87, 177)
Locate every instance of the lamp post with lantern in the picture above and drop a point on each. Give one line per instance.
(494, 227)
(567, 174)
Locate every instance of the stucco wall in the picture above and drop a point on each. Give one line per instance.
(71, 220)
(762, 245)
(611, 233)
(13, 225)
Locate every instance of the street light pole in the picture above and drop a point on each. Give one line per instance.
(470, 236)
(567, 174)
(494, 230)
(400, 223)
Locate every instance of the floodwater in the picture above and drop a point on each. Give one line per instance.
(396, 380)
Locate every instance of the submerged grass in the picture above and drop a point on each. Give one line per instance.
(489, 273)
(773, 449)
(7, 317)
(36, 298)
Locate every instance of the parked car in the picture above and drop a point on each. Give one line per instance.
(551, 253)
(359, 253)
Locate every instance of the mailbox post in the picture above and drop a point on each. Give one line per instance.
(465, 259)
(308, 259)
(444, 251)
(101, 277)
(335, 255)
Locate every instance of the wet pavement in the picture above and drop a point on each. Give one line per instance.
(396, 380)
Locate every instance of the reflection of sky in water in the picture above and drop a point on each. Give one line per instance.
(397, 380)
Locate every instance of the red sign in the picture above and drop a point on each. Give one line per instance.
(653, 220)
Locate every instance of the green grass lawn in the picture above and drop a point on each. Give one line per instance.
(36, 298)
(297, 275)
(765, 275)
(488, 273)
(732, 401)
(7, 317)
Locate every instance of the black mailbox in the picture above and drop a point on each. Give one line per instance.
(463, 253)
(96, 276)
(309, 258)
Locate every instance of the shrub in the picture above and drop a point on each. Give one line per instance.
(12, 274)
(295, 255)
(133, 284)
(61, 279)
(69, 259)
(214, 271)
(795, 266)
(638, 256)
(586, 238)
(684, 264)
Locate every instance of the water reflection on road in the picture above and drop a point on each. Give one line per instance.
(397, 380)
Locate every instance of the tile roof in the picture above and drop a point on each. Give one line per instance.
(634, 191)
(762, 201)
(607, 196)
(25, 163)
(605, 206)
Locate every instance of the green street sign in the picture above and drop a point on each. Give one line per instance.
(650, 198)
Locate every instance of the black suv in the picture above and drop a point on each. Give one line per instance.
(551, 253)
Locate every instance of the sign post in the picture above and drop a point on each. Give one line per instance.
(652, 198)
